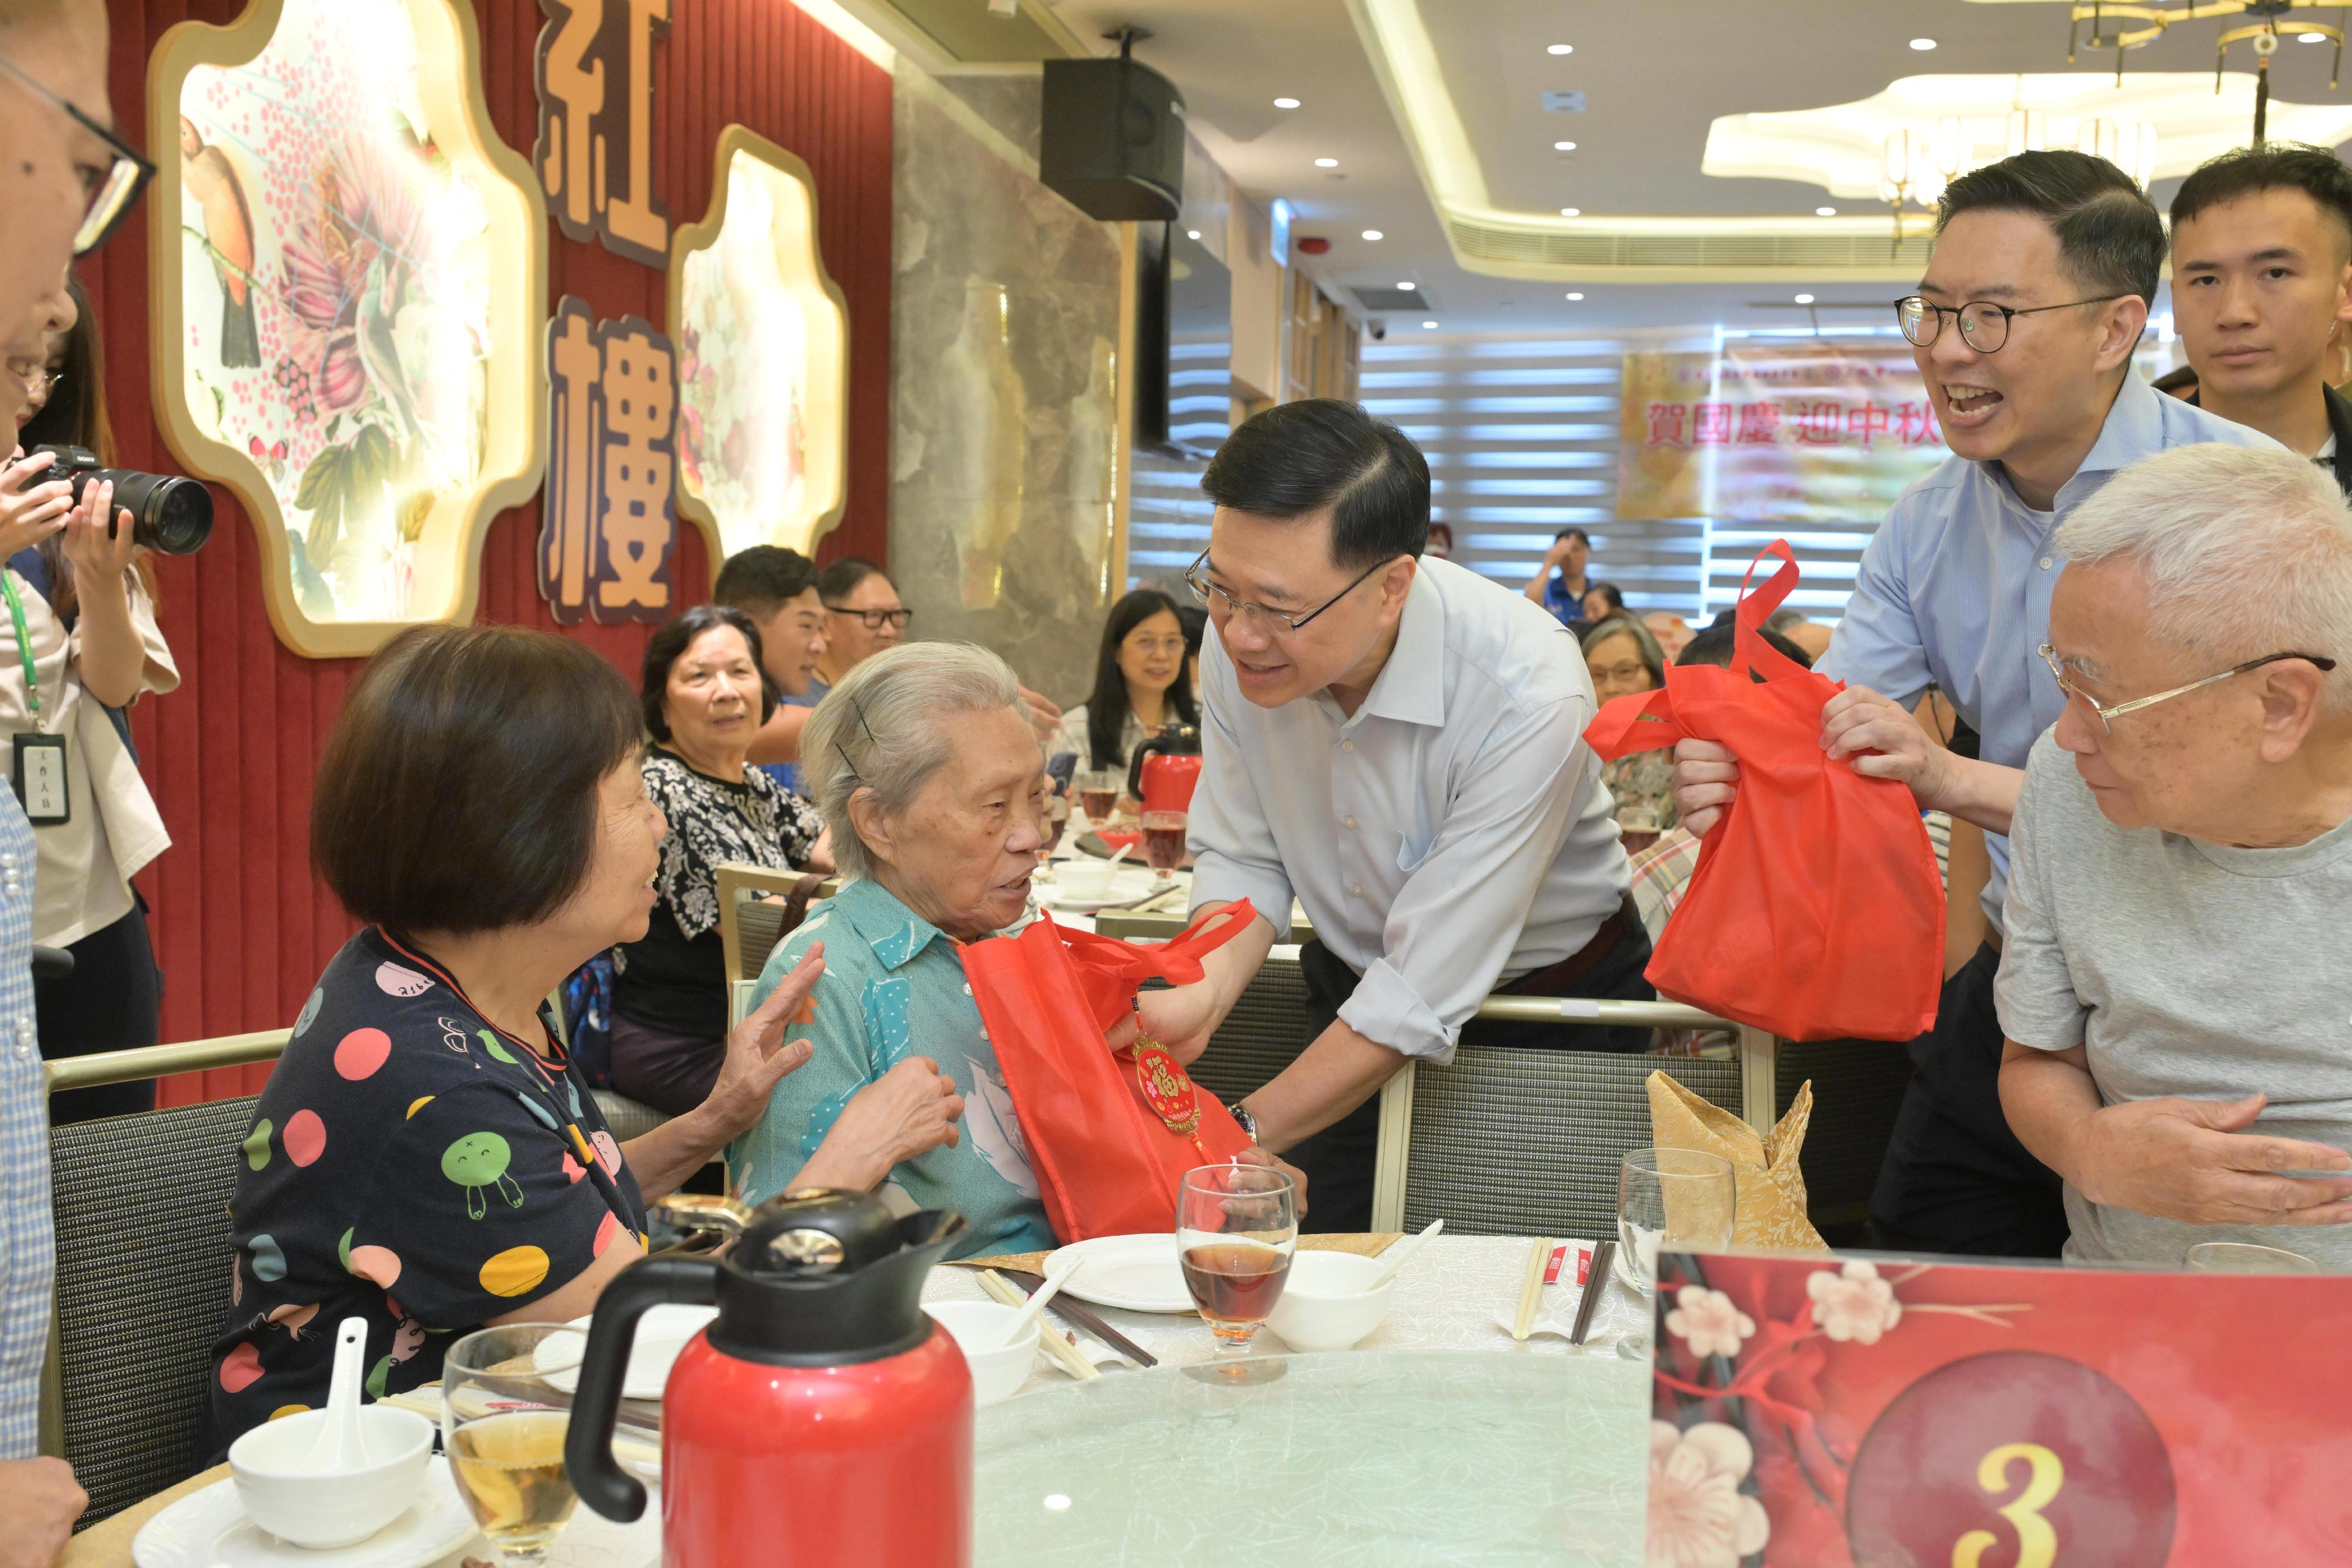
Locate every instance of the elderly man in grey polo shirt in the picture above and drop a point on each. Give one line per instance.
(2173, 986)
(1398, 742)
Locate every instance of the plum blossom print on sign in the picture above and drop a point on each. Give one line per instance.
(349, 321)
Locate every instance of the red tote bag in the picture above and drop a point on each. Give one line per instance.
(1815, 910)
(1110, 1135)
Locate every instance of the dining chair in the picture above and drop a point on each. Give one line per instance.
(142, 1227)
(749, 927)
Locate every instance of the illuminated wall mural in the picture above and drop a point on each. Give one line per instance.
(762, 343)
(348, 300)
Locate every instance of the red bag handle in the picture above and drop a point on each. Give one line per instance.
(1639, 721)
(1176, 960)
(1748, 649)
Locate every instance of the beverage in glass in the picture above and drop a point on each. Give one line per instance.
(1056, 818)
(1163, 843)
(1668, 1200)
(1236, 1228)
(503, 1422)
(1099, 790)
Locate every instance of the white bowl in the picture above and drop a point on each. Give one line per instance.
(996, 1374)
(1324, 1305)
(1085, 879)
(306, 1508)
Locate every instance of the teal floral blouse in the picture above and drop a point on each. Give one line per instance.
(893, 988)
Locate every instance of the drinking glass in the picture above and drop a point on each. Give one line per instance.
(1164, 844)
(2246, 1257)
(1668, 1200)
(502, 1425)
(1236, 1227)
(1058, 818)
(1099, 790)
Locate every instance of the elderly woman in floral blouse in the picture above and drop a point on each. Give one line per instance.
(704, 700)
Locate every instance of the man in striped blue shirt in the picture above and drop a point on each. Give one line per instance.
(2023, 328)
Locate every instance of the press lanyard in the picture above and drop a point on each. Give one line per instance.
(24, 645)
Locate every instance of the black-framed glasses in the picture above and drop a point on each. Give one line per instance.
(1211, 596)
(875, 620)
(2107, 713)
(1984, 325)
(112, 191)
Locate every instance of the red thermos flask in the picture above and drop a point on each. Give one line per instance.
(822, 1421)
(1165, 768)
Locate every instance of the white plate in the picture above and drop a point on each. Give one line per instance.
(662, 1333)
(209, 1529)
(1128, 884)
(1139, 1273)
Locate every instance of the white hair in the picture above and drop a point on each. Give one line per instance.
(2245, 552)
(879, 729)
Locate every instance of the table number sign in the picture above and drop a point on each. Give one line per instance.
(1862, 1413)
(596, 151)
(609, 516)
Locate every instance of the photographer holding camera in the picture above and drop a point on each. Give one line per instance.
(81, 645)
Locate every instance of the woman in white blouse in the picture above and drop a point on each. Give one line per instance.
(80, 637)
(1140, 684)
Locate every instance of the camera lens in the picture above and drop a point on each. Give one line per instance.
(169, 513)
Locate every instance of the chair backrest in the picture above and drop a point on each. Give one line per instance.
(142, 1229)
(748, 928)
(1518, 1142)
(1263, 1034)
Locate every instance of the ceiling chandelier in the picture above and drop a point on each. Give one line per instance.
(2128, 27)
(1915, 165)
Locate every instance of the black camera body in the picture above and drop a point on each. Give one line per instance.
(169, 513)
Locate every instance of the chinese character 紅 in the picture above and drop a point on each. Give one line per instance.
(595, 151)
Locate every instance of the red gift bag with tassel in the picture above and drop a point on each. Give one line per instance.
(1110, 1135)
(1816, 910)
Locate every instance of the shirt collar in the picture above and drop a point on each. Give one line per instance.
(894, 932)
(2134, 428)
(1410, 686)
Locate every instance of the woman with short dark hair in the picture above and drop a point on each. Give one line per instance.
(704, 697)
(424, 1158)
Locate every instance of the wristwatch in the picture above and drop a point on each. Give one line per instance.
(1248, 1122)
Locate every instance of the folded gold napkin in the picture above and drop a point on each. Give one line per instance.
(1770, 1212)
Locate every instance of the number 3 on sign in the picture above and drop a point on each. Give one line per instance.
(2037, 1543)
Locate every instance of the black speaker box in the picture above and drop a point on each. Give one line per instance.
(1113, 139)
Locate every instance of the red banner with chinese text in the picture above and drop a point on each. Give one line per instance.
(1773, 432)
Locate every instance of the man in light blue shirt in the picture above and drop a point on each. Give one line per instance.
(2023, 328)
(1397, 743)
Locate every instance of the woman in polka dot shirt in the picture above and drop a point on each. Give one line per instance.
(424, 1156)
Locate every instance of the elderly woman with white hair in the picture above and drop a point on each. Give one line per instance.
(2171, 986)
(933, 785)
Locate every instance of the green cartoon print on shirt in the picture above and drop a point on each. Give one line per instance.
(478, 1160)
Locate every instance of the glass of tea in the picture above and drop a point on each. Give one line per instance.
(1163, 843)
(1099, 790)
(1050, 829)
(506, 1396)
(1236, 1227)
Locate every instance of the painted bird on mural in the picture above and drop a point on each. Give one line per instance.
(228, 235)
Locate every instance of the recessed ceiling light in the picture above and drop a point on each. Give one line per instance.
(1191, 233)
(1374, 234)
(1561, 49)
(1563, 146)
(1804, 299)
(1824, 212)
(1576, 296)
(1327, 162)
(1408, 285)
(1570, 212)
(1923, 44)
(1286, 103)
(1430, 326)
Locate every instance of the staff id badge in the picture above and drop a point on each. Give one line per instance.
(39, 777)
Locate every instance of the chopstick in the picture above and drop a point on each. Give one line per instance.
(1532, 1287)
(1596, 1280)
(1006, 1292)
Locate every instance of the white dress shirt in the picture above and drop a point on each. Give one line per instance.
(1452, 834)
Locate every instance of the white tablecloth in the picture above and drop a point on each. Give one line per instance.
(1446, 1298)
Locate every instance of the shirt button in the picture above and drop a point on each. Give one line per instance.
(1346, 746)
(967, 990)
(1351, 821)
(2045, 562)
(24, 1053)
(1358, 889)
(8, 859)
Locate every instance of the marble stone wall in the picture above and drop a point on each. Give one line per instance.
(1005, 335)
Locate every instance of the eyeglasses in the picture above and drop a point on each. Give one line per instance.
(37, 381)
(2106, 714)
(1211, 595)
(1984, 325)
(875, 620)
(112, 190)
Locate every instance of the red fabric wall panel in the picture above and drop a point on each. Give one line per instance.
(241, 927)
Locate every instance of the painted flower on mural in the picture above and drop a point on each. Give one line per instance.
(1699, 1517)
(1710, 1321)
(1853, 1304)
